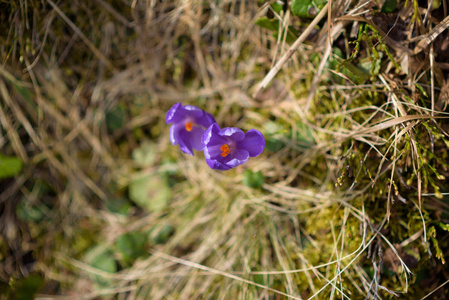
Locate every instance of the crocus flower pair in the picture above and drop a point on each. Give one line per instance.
(224, 149)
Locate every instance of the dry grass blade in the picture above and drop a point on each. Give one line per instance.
(13, 136)
(431, 36)
(439, 287)
(93, 295)
(89, 44)
(293, 48)
(396, 121)
(205, 268)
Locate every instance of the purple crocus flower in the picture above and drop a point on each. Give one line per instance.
(189, 124)
(230, 147)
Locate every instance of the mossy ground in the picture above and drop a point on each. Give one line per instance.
(349, 199)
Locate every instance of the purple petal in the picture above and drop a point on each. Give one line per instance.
(195, 136)
(233, 133)
(239, 157)
(174, 134)
(185, 142)
(193, 111)
(212, 142)
(175, 114)
(205, 120)
(211, 136)
(212, 152)
(188, 117)
(254, 143)
(213, 164)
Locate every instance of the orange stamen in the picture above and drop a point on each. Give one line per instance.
(225, 150)
(189, 126)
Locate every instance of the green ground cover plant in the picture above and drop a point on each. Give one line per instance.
(348, 200)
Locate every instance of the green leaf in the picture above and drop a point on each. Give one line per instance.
(115, 118)
(304, 8)
(118, 205)
(151, 192)
(10, 166)
(443, 226)
(27, 287)
(102, 259)
(422, 90)
(105, 262)
(145, 155)
(265, 22)
(161, 236)
(389, 6)
(277, 7)
(132, 245)
(273, 25)
(253, 179)
(357, 74)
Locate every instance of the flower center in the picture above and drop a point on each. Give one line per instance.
(189, 126)
(225, 150)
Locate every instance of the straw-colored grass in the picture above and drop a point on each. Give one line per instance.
(351, 192)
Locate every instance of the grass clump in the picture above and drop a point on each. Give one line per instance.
(348, 200)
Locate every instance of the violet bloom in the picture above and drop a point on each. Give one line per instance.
(230, 147)
(189, 124)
